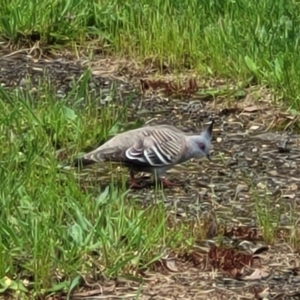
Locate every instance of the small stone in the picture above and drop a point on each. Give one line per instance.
(219, 140)
(22, 82)
(241, 188)
(261, 186)
(293, 187)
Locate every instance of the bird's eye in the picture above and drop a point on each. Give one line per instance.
(202, 146)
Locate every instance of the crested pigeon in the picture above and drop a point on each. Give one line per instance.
(153, 149)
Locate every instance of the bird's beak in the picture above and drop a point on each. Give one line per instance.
(208, 156)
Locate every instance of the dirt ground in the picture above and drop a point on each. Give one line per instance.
(255, 158)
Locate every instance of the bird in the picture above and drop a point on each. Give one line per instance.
(152, 149)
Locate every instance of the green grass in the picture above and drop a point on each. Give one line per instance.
(248, 42)
(267, 216)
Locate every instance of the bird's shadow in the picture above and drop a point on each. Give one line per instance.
(144, 184)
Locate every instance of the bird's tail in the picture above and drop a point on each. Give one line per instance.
(82, 162)
(78, 163)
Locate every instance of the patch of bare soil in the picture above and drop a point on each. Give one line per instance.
(254, 172)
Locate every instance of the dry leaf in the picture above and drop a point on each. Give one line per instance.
(265, 293)
(170, 265)
(258, 274)
(251, 109)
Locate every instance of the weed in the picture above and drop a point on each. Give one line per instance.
(268, 216)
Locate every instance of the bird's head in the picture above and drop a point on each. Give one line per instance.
(203, 142)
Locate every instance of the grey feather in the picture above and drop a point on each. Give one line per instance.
(153, 148)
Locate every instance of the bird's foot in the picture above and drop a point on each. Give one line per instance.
(135, 184)
(166, 182)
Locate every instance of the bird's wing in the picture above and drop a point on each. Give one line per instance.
(156, 147)
(153, 146)
(109, 153)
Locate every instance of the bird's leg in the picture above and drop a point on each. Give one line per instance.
(164, 182)
(133, 183)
